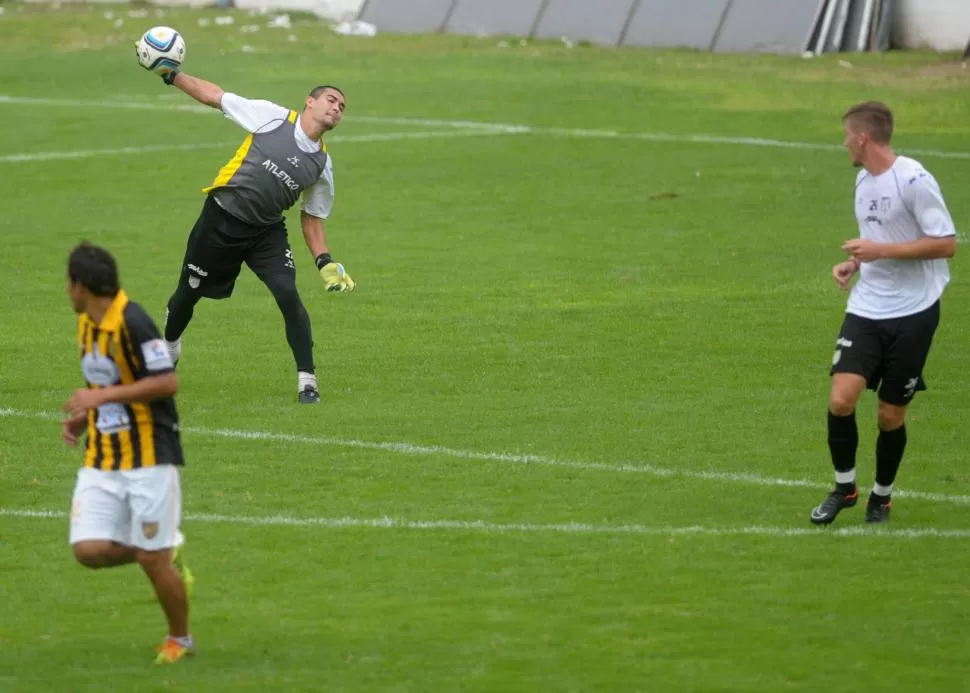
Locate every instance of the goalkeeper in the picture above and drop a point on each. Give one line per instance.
(282, 158)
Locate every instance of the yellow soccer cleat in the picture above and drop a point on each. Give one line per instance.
(178, 560)
(172, 651)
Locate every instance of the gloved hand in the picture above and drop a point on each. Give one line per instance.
(335, 277)
(163, 70)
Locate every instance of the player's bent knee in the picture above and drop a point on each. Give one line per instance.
(183, 298)
(281, 283)
(846, 390)
(90, 554)
(842, 404)
(283, 288)
(152, 561)
(890, 416)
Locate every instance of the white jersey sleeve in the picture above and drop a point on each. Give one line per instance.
(318, 198)
(922, 196)
(252, 115)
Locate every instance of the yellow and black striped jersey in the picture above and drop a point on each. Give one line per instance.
(124, 347)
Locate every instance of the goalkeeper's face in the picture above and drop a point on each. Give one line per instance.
(327, 109)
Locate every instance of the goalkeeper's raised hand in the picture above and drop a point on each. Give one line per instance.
(334, 276)
(163, 70)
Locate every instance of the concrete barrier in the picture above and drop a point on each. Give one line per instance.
(779, 26)
(687, 23)
(494, 17)
(413, 17)
(702, 24)
(603, 21)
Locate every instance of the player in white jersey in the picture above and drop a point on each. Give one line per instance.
(905, 235)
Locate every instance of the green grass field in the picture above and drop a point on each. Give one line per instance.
(574, 415)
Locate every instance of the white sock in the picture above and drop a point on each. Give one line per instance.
(184, 642)
(305, 379)
(174, 349)
(845, 477)
(883, 491)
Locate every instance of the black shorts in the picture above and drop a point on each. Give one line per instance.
(220, 243)
(889, 354)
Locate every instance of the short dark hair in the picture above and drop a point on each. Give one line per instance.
(874, 118)
(93, 268)
(316, 91)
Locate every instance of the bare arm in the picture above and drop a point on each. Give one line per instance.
(314, 234)
(202, 91)
(333, 273)
(73, 426)
(843, 272)
(144, 390)
(927, 248)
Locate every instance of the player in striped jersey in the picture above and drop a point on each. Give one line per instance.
(127, 501)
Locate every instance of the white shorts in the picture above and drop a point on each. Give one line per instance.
(140, 507)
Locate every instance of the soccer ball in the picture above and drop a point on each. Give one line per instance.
(161, 49)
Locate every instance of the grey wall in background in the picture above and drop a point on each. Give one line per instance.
(779, 26)
(411, 17)
(492, 17)
(688, 23)
(601, 21)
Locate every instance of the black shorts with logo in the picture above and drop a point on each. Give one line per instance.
(889, 354)
(220, 243)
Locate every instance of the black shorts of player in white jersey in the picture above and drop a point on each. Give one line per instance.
(220, 243)
(889, 354)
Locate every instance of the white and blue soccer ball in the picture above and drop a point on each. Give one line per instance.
(161, 49)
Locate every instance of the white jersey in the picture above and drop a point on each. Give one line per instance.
(901, 205)
(253, 115)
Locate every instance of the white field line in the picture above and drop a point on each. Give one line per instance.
(128, 105)
(516, 459)
(147, 149)
(538, 528)
(432, 122)
(507, 128)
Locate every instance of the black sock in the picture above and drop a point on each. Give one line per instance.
(889, 454)
(843, 441)
(180, 308)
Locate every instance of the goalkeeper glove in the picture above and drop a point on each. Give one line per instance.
(166, 72)
(334, 276)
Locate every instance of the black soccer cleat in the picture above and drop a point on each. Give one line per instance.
(826, 511)
(878, 512)
(310, 395)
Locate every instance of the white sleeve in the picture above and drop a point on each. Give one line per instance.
(318, 198)
(249, 114)
(925, 201)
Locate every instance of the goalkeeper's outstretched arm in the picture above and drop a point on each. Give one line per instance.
(314, 234)
(202, 91)
(334, 275)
